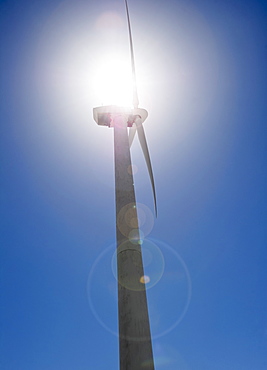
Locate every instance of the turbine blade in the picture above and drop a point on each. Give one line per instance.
(135, 95)
(143, 142)
(132, 133)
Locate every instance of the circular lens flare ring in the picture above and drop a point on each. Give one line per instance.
(102, 288)
(127, 220)
(152, 261)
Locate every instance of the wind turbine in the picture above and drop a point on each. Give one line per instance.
(134, 329)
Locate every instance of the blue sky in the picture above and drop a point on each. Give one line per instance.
(201, 73)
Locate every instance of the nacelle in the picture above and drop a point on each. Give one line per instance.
(104, 115)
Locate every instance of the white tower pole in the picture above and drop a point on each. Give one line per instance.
(134, 330)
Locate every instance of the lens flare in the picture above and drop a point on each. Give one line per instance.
(131, 216)
(136, 236)
(102, 291)
(168, 357)
(165, 273)
(133, 169)
(153, 264)
(170, 298)
(108, 22)
(144, 279)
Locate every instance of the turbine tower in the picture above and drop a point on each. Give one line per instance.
(134, 329)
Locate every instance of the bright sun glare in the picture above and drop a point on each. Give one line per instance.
(112, 81)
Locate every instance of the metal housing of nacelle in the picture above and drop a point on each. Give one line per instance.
(105, 115)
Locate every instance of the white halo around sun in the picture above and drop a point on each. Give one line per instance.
(112, 80)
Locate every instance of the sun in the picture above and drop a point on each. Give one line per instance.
(112, 81)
